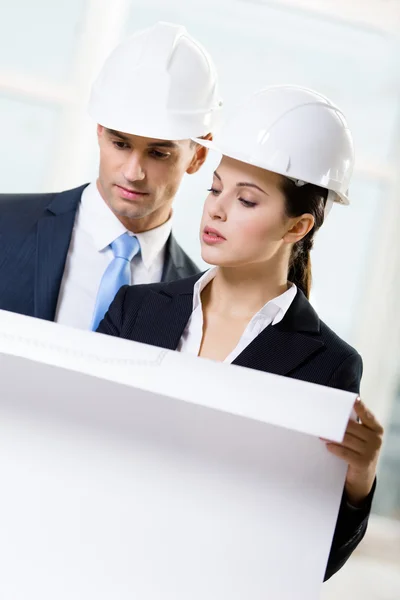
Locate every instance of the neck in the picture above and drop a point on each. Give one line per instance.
(243, 291)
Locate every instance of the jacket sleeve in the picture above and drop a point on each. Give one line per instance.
(352, 522)
(113, 321)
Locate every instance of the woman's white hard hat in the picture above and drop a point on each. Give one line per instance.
(295, 132)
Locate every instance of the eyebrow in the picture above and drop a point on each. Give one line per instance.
(244, 184)
(160, 144)
(117, 134)
(163, 144)
(251, 185)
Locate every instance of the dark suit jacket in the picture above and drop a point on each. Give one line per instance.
(300, 346)
(35, 233)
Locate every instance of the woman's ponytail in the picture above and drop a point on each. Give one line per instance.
(311, 199)
(300, 266)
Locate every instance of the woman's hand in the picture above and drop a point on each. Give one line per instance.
(360, 449)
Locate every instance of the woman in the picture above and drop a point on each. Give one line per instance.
(287, 156)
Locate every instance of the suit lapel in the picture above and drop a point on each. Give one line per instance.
(54, 232)
(162, 319)
(172, 265)
(277, 351)
(281, 348)
(177, 264)
(170, 271)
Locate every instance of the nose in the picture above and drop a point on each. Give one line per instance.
(133, 169)
(216, 208)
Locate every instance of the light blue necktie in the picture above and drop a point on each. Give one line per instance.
(117, 274)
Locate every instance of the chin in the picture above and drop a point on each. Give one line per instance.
(120, 209)
(126, 209)
(213, 258)
(217, 259)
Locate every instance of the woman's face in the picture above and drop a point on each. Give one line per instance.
(244, 220)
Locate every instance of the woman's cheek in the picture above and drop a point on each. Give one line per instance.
(254, 228)
(259, 237)
(204, 215)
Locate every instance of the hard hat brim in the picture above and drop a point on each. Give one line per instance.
(337, 197)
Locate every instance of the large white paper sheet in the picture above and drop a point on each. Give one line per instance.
(132, 472)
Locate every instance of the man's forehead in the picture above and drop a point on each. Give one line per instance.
(149, 142)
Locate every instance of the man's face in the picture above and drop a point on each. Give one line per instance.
(139, 177)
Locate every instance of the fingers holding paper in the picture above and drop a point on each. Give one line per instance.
(360, 449)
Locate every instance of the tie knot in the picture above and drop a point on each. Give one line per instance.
(125, 246)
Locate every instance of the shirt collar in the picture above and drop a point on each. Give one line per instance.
(274, 310)
(104, 227)
(281, 303)
(152, 242)
(201, 284)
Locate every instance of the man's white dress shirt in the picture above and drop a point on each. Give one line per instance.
(89, 254)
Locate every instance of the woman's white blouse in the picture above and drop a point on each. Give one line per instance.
(271, 313)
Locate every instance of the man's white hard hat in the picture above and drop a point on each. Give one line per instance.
(159, 83)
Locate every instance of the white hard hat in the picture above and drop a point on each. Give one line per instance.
(158, 83)
(295, 132)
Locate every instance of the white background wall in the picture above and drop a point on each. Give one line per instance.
(51, 50)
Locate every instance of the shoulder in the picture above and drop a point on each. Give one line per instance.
(347, 362)
(339, 361)
(302, 317)
(14, 202)
(335, 362)
(136, 293)
(25, 209)
(152, 299)
(19, 212)
(130, 298)
(335, 343)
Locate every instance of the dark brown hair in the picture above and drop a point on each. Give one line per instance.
(311, 199)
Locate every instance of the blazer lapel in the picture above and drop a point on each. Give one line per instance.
(164, 315)
(281, 348)
(277, 351)
(54, 232)
(177, 264)
(173, 269)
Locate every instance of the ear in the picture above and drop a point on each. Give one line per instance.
(299, 227)
(100, 131)
(199, 156)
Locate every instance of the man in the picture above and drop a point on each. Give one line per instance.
(64, 256)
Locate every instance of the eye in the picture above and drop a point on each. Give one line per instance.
(247, 203)
(159, 155)
(214, 192)
(121, 145)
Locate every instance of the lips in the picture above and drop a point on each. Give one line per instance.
(213, 232)
(212, 236)
(130, 194)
